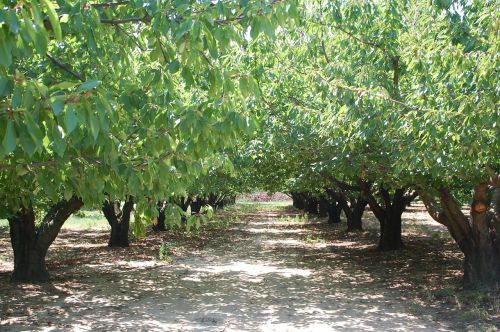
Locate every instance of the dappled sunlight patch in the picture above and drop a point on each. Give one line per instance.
(343, 244)
(260, 273)
(275, 231)
(254, 269)
(128, 264)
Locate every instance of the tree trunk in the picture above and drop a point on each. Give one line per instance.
(30, 243)
(354, 219)
(390, 221)
(334, 212)
(295, 203)
(482, 260)
(323, 207)
(160, 222)
(353, 211)
(196, 205)
(388, 214)
(298, 201)
(390, 232)
(477, 237)
(119, 220)
(312, 205)
(29, 256)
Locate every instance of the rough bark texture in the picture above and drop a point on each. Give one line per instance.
(353, 210)
(477, 236)
(389, 213)
(30, 243)
(119, 220)
(355, 213)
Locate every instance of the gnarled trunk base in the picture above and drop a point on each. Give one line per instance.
(30, 243)
(119, 220)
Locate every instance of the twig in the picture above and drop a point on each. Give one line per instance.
(115, 21)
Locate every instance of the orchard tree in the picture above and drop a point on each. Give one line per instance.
(406, 100)
(109, 100)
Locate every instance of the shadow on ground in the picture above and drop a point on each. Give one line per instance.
(268, 272)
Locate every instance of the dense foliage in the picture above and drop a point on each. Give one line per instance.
(338, 103)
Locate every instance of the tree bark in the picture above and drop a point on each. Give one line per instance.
(119, 220)
(353, 210)
(390, 231)
(389, 214)
(334, 212)
(312, 205)
(30, 243)
(298, 201)
(356, 211)
(477, 237)
(160, 222)
(323, 207)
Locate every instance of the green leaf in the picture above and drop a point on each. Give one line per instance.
(188, 77)
(6, 85)
(70, 120)
(13, 22)
(9, 140)
(53, 18)
(59, 145)
(68, 193)
(5, 52)
(174, 66)
(27, 143)
(255, 28)
(244, 86)
(58, 105)
(93, 121)
(64, 86)
(88, 85)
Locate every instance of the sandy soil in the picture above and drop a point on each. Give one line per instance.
(268, 272)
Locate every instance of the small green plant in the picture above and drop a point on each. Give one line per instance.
(312, 239)
(165, 251)
(80, 214)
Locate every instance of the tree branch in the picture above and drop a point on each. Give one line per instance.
(116, 21)
(65, 67)
(109, 4)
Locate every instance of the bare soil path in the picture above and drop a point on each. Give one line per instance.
(269, 272)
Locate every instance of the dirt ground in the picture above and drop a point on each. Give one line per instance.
(269, 269)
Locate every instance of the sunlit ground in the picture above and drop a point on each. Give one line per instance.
(273, 269)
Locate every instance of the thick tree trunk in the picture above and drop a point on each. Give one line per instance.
(482, 260)
(354, 219)
(390, 232)
(119, 220)
(334, 212)
(30, 243)
(29, 256)
(477, 237)
(323, 207)
(312, 205)
(298, 201)
(196, 205)
(353, 211)
(294, 200)
(388, 214)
